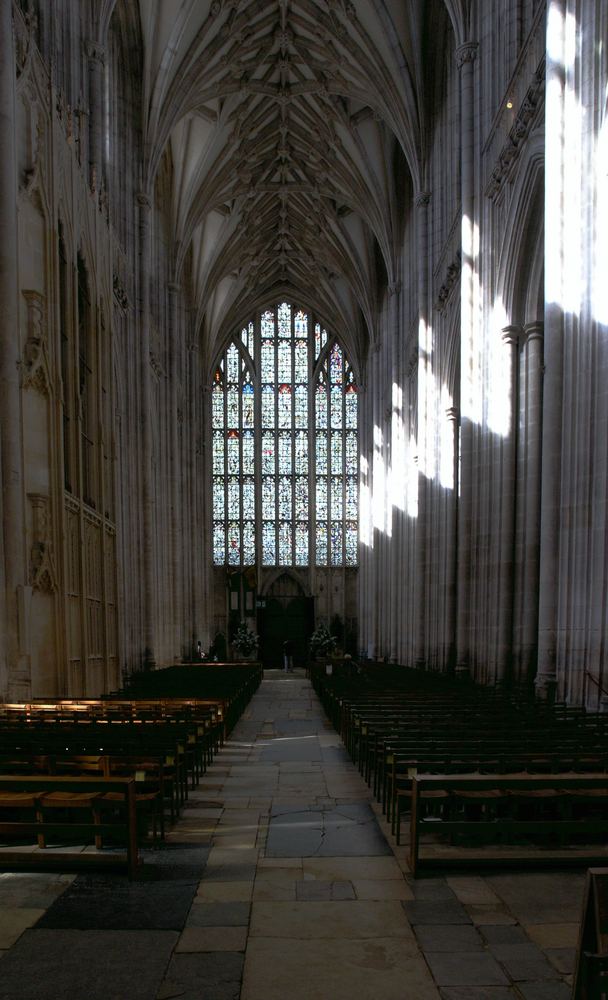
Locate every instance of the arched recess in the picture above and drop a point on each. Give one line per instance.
(286, 611)
(520, 292)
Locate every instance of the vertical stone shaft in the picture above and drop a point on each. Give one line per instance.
(533, 355)
(396, 567)
(13, 537)
(96, 56)
(149, 561)
(554, 352)
(506, 551)
(176, 527)
(465, 56)
(452, 416)
(425, 425)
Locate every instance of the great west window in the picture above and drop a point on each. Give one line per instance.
(284, 425)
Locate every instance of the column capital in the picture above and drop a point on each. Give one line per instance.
(173, 287)
(394, 287)
(453, 414)
(422, 199)
(510, 335)
(466, 53)
(143, 200)
(96, 52)
(533, 331)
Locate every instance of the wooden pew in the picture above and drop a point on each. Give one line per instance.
(73, 796)
(496, 818)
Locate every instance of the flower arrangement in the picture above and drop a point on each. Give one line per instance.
(322, 642)
(244, 640)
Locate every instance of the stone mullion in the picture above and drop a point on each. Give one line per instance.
(466, 55)
(148, 504)
(16, 681)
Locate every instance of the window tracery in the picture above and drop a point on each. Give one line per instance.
(284, 446)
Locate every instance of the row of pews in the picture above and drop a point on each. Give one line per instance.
(482, 776)
(106, 776)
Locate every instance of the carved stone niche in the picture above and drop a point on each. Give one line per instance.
(43, 575)
(35, 370)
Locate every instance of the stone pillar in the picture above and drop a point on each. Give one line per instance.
(176, 521)
(193, 477)
(397, 462)
(148, 503)
(15, 683)
(453, 419)
(426, 420)
(506, 550)
(533, 360)
(546, 678)
(465, 56)
(96, 55)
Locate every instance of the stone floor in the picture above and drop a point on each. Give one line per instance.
(278, 882)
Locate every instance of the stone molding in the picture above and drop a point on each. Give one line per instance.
(451, 279)
(35, 368)
(522, 125)
(43, 575)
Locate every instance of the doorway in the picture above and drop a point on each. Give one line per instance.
(285, 613)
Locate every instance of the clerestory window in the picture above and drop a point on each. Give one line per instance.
(285, 446)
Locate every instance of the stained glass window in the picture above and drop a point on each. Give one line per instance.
(233, 423)
(284, 445)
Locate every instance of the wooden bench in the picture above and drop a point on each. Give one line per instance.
(28, 801)
(479, 811)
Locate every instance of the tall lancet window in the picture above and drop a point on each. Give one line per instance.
(233, 422)
(284, 419)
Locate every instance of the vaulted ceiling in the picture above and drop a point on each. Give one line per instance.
(294, 127)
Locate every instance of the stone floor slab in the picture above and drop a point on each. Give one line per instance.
(377, 969)
(86, 965)
(435, 912)
(208, 974)
(465, 969)
(225, 892)
(196, 939)
(395, 888)
(350, 920)
(349, 869)
(449, 937)
(524, 962)
(218, 914)
(14, 921)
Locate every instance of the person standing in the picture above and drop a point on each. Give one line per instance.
(288, 656)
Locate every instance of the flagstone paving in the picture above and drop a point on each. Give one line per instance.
(280, 881)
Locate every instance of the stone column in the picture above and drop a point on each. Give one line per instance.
(15, 683)
(96, 55)
(148, 503)
(465, 56)
(453, 419)
(546, 678)
(397, 462)
(176, 525)
(506, 551)
(533, 360)
(194, 526)
(426, 420)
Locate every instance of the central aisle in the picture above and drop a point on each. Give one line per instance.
(297, 839)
